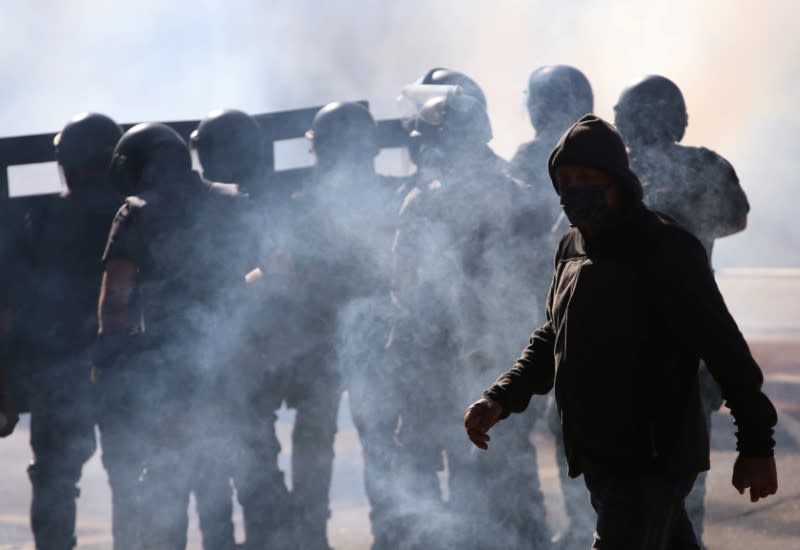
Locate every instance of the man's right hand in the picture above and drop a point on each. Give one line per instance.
(478, 420)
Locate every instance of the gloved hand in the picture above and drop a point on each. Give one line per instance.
(479, 419)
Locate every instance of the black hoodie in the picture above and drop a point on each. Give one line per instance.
(629, 315)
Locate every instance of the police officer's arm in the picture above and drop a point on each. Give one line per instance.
(124, 253)
(729, 200)
(8, 409)
(707, 326)
(115, 291)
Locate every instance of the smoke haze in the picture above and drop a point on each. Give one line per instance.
(739, 69)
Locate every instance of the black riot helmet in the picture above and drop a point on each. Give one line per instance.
(84, 146)
(651, 110)
(148, 156)
(454, 121)
(558, 95)
(445, 77)
(343, 131)
(230, 146)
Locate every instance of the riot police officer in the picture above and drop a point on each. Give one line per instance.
(693, 185)
(651, 115)
(557, 96)
(339, 250)
(14, 278)
(9, 415)
(67, 237)
(230, 149)
(454, 268)
(156, 331)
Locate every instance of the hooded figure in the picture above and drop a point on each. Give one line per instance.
(632, 307)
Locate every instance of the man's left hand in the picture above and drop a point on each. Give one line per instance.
(758, 474)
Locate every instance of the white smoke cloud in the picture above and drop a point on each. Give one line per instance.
(736, 63)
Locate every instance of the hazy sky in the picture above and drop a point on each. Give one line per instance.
(738, 63)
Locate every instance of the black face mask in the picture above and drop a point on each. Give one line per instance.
(585, 206)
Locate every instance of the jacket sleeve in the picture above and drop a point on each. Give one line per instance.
(708, 327)
(533, 372)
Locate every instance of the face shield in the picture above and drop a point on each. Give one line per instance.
(413, 96)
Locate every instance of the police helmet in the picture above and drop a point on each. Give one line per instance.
(452, 120)
(148, 155)
(651, 110)
(344, 128)
(446, 77)
(558, 95)
(86, 143)
(229, 145)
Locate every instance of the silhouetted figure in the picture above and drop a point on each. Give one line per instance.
(156, 335)
(633, 305)
(330, 268)
(67, 237)
(558, 95)
(361, 208)
(9, 259)
(243, 393)
(452, 289)
(693, 185)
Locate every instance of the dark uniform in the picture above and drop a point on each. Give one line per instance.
(15, 287)
(457, 292)
(693, 185)
(155, 379)
(557, 96)
(332, 248)
(67, 237)
(230, 150)
(8, 401)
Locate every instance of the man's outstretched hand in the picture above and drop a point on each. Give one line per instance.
(757, 474)
(479, 418)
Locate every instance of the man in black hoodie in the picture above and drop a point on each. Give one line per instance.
(632, 307)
